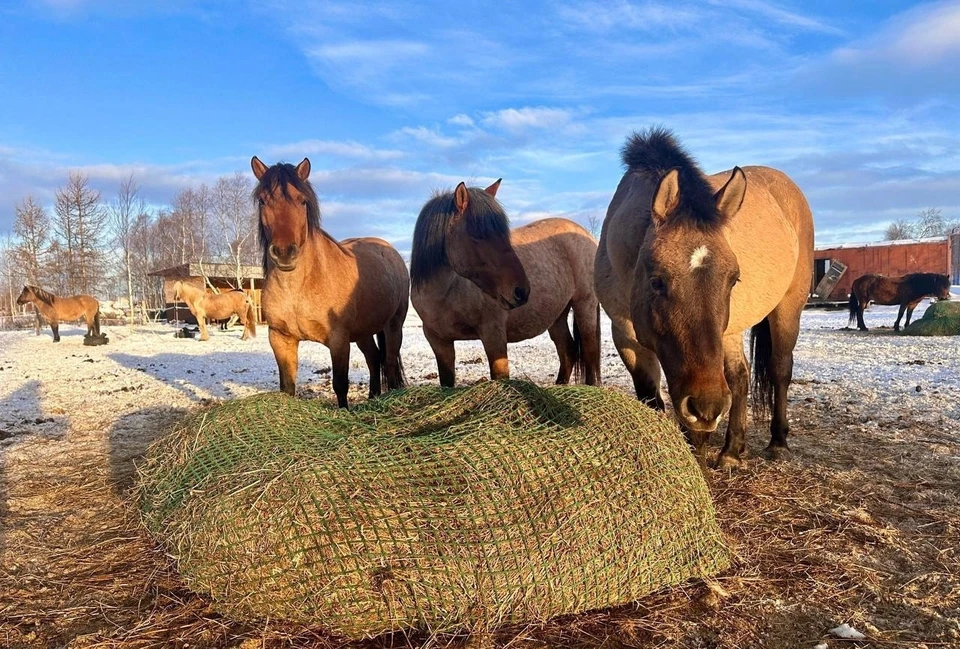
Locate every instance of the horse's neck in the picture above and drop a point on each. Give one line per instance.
(323, 264)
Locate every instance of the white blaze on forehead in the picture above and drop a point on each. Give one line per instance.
(699, 255)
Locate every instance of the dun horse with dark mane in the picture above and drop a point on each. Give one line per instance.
(907, 291)
(686, 264)
(319, 289)
(473, 278)
(220, 306)
(56, 309)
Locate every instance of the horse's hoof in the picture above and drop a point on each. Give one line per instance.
(774, 453)
(728, 462)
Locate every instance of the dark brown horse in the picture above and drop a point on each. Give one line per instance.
(214, 306)
(56, 309)
(907, 291)
(474, 278)
(686, 264)
(316, 288)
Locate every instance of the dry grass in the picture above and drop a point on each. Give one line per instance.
(856, 528)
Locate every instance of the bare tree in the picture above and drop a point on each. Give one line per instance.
(126, 207)
(900, 229)
(594, 225)
(32, 227)
(236, 220)
(930, 223)
(79, 228)
(11, 274)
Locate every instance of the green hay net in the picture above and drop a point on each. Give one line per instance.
(430, 509)
(940, 319)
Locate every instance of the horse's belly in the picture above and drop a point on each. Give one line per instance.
(768, 251)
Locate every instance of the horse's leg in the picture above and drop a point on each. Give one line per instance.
(202, 322)
(340, 359)
(903, 307)
(494, 339)
(55, 328)
(393, 339)
(586, 317)
(560, 335)
(737, 373)
(285, 351)
(910, 308)
(784, 330)
(641, 363)
(446, 355)
(861, 325)
(371, 354)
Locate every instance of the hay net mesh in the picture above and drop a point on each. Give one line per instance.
(430, 509)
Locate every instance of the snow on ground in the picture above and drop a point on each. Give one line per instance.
(876, 374)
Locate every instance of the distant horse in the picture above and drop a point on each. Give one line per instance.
(55, 309)
(686, 264)
(474, 278)
(907, 291)
(319, 289)
(214, 306)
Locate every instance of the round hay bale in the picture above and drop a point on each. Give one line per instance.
(942, 318)
(430, 509)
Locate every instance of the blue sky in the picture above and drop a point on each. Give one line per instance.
(858, 101)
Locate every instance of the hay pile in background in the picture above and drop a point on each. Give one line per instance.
(430, 509)
(941, 318)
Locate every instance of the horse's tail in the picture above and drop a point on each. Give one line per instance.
(761, 357)
(395, 378)
(251, 320)
(96, 323)
(854, 306)
(579, 365)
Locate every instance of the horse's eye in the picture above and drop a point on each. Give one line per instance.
(736, 280)
(658, 285)
(260, 202)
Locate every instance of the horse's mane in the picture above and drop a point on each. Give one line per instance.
(484, 218)
(44, 296)
(282, 176)
(656, 151)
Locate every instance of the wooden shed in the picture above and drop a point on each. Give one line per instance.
(222, 276)
(930, 255)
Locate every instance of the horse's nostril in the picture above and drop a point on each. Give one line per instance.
(273, 251)
(520, 294)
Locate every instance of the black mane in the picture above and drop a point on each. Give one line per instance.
(927, 282)
(282, 176)
(44, 296)
(483, 218)
(656, 151)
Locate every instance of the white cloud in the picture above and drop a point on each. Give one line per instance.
(349, 150)
(515, 119)
(429, 136)
(779, 15)
(461, 120)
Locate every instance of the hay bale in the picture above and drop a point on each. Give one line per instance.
(942, 318)
(430, 509)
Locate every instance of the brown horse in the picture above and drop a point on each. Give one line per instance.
(686, 264)
(907, 291)
(474, 278)
(214, 306)
(331, 292)
(55, 309)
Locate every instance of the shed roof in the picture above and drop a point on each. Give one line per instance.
(877, 244)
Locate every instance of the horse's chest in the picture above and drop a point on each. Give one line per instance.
(297, 320)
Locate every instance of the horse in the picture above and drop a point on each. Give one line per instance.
(907, 291)
(473, 277)
(214, 306)
(54, 309)
(687, 263)
(328, 291)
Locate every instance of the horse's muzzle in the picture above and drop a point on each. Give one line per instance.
(703, 414)
(286, 259)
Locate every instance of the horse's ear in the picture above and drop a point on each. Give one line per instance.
(303, 169)
(492, 189)
(461, 198)
(666, 198)
(730, 197)
(258, 167)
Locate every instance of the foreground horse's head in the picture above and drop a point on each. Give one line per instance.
(288, 210)
(685, 276)
(942, 283)
(467, 230)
